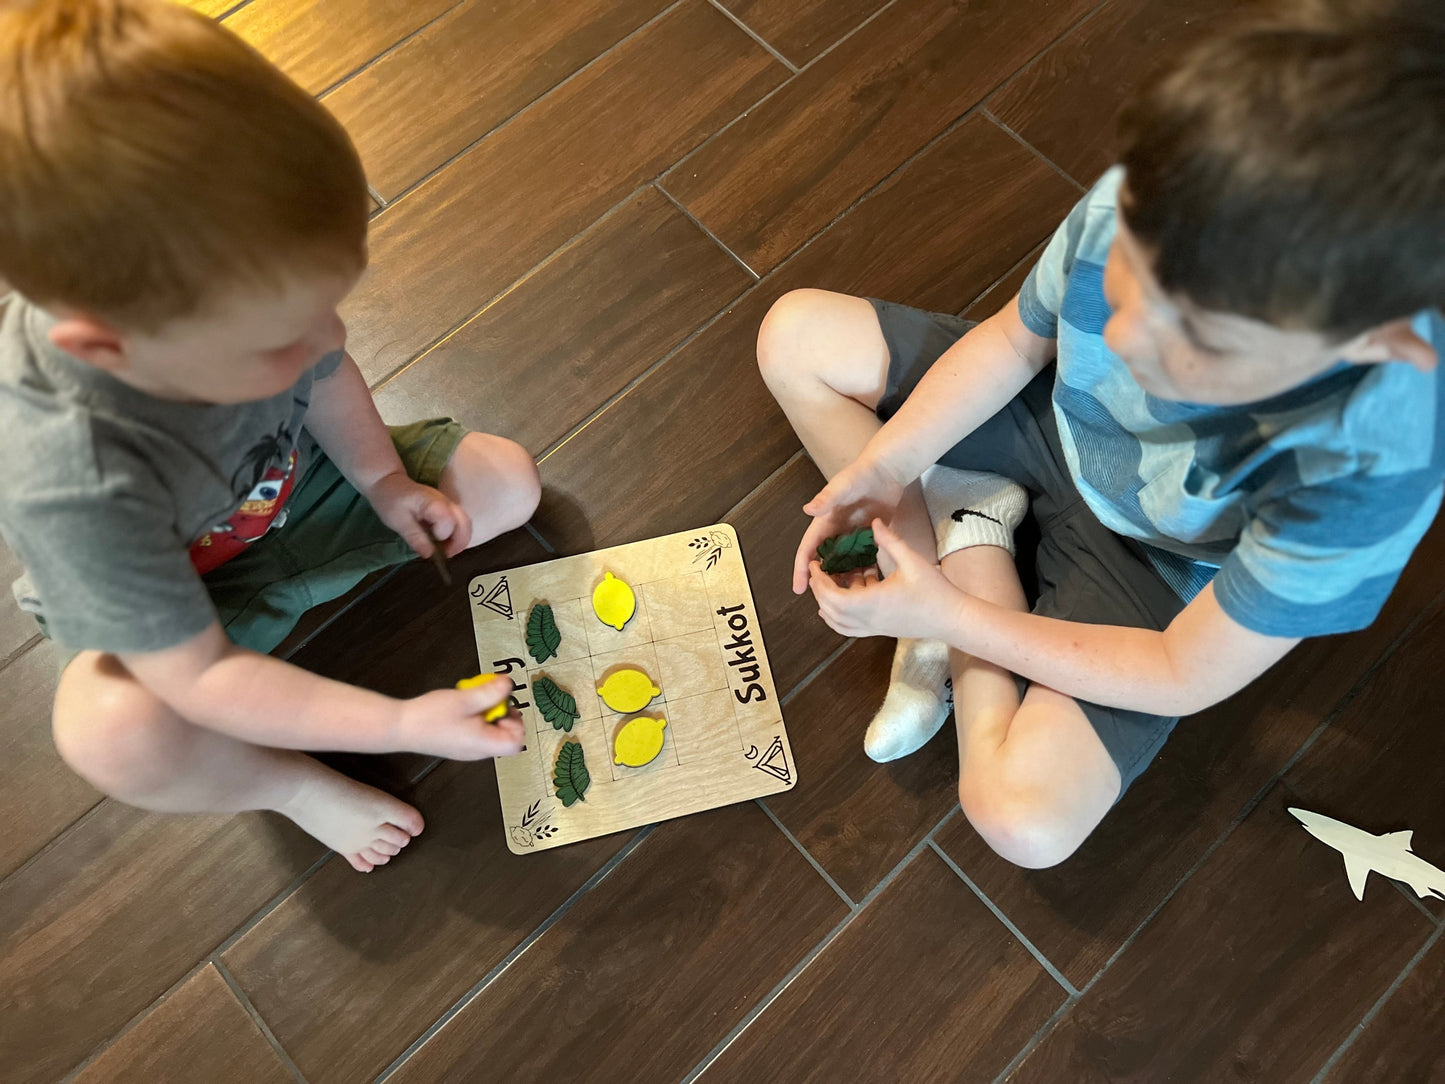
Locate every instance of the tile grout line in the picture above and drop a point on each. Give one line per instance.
(1038, 57)
(805, 853)
(441, 166)
(758, 488)
(767, 999)
(1025, 258)
(213, 956)
(1034, 1040)
(527, 942)
(1254, 802)
(380, 199)
(522, 279)
(1033, 950)
(828, 939)
(1026, 145)
(23, 649)
(750, 32)
(1375, 1009)
(245, 1000)
(807, 678)
(386, 52)
(710, 235)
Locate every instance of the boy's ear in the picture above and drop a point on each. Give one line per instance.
(92, 341)
(1395, 341)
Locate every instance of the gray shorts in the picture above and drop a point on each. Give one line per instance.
(1082, 571)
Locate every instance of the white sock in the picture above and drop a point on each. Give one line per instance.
(972, 508)
(917, 703)
(968, 508)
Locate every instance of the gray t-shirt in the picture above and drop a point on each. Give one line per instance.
(112, 498)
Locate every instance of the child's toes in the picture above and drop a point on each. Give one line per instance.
(359, 863)
(397, 837)
(381, 846)
(407, 819)
(375, 857)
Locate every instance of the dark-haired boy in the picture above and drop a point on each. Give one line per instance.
(1238, 447)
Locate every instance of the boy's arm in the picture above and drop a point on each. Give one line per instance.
(343, 419)
(969, 383)
(211, 682)
(1203, 656)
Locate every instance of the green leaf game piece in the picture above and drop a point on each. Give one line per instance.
(542, 634)
(848, 552)
(557, 706)
(571, 779)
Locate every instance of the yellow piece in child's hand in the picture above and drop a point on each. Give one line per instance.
(613, 602)
(497, 711)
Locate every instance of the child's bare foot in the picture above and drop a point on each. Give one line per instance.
(361, 823)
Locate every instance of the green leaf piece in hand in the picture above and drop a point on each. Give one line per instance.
(571, 779)
(557, 706)
(848, 552)
(542, 634)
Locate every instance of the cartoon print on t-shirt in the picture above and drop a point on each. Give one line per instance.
(262, 508)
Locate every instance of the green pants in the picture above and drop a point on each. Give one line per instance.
(331, 540)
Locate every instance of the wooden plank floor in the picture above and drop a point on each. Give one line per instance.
(584, 208)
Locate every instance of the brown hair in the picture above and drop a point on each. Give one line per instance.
(1295, 172)
(149, 159)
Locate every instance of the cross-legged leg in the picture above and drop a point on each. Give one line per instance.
(495, 480)
(1033, 777)
(130, 745)
(825, 360)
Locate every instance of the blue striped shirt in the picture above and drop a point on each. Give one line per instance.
(1302, 508)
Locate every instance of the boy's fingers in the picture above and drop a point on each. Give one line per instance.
(486, 694)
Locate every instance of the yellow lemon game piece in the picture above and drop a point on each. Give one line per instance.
(638, 742)
(613, 602)
(628, 691)
(494, 713)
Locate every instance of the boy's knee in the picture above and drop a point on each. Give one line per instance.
(524, 491)
(108, 729)
(783, 329)
(497, 480)
(1020, 826)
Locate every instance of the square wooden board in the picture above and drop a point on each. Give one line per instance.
(695, 633)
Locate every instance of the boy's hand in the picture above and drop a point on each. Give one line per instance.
(914, 601)
(404, 505)
(448, 723)
(859, 492)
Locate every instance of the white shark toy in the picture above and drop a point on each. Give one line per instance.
(1387, 854)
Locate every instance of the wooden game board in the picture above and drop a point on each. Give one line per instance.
(695, 632)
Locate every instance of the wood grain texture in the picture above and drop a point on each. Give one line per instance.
(649, 970)
(199, 1033)
(909, 241)
(1080, 912)
(1066, 101)
(857, 818)
(39, 794)
(1254, 971)
(1403, 1041)
(450, 246)
(308, 43)
(467, 72)
(801, 29)
(350, 970)
(120, 908)
(1003, 291)
(576, 332)
(788, 168)
(926, 984)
